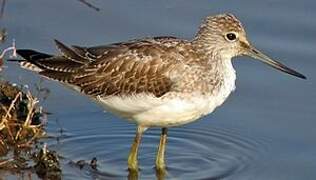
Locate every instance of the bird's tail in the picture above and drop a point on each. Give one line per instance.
(56, 67)
(30, 57)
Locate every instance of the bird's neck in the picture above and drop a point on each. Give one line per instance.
(210, 50)
(224, 72)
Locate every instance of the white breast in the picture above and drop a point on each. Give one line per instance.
(228, 85)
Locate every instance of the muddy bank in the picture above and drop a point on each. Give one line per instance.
(22, 125)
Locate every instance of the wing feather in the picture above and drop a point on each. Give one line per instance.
(130, 71)
(139, 66)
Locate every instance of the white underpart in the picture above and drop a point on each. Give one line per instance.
(149, 111)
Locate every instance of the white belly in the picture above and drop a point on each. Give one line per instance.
(150, 111)
(175, 112)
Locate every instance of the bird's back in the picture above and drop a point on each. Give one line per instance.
(138, 66)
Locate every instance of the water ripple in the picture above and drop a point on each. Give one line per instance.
(192, 152)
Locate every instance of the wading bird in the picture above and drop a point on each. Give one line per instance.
(155, 82)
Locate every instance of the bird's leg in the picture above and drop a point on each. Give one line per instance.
(160, 158)
(132, 158)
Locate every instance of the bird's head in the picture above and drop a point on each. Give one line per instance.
(223, 36)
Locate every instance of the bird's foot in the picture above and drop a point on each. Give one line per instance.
(133, 166)
(160, 164)
(161, 171)
(132, 162)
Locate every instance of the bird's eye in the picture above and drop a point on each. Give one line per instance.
(231, 36)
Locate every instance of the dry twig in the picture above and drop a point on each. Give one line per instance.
(85, 2)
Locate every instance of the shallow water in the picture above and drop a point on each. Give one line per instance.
(265, 130)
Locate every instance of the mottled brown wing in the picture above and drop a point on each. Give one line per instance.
(139, 67)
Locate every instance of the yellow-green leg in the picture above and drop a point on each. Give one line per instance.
(160, 158)
(133, 155)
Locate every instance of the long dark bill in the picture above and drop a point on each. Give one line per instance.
(254, 53)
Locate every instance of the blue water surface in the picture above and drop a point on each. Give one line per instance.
(265, 130)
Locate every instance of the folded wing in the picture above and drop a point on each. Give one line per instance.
(117, 69)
